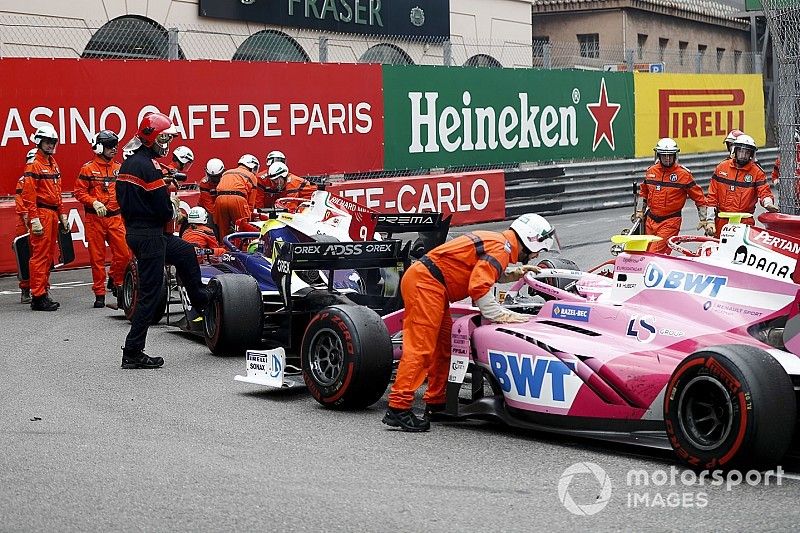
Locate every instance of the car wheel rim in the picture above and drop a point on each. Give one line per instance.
(326, 357)
(127, 291)
(210, 319)
(705, 411)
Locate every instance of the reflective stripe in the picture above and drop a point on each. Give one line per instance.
(43, 176)
(231, 193)
(46, 206)
(670, 184)
(433, 269)
(657, 218)
(139, 182)
(480, 251)
(747, 184)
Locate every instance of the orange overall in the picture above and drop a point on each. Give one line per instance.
(736, 190)
(665, 189)
(97, 182)
(466, 266)
(41, 198)
(21, 218)
(296, 187)
(202, 237)
(235, 198)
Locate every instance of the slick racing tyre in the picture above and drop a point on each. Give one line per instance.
(730, 406)
(558, 262)
(346, 357)
(233, 318)
(129, 294)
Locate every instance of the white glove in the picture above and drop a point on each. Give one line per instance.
(516, 273)
(702, 214)
(492, 310)
(638, 215)
(99, 208)
(64, 223)
(36, 227)
(709, 226)
(769, 205)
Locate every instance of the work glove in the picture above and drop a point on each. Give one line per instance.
(638, 215)
(702, 214)
(99, 208)
(36, 227)
(769, 205)
(709, 227)
(492, 310)
(64, 223)
(516, 273)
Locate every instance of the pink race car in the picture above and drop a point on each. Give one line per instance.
(697, 352)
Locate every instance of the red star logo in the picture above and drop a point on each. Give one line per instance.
(603, 114)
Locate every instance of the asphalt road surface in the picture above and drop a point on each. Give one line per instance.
(88, 446)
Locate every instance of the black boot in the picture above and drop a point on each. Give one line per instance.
(52, 301)
(99, 301)
(25, 296)
(406, 420)
(43, 303)
(139, 359)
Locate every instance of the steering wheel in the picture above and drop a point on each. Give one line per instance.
(675, 242)
(290, 203)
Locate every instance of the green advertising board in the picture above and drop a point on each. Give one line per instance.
(443, 117)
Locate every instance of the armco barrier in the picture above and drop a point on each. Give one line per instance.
(577, 187)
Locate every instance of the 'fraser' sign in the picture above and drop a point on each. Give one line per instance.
(427, 18)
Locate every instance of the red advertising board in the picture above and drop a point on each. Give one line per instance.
(74, 211)
(326, 118)
(471, 197)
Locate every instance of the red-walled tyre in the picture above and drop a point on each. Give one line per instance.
(730, 406)
(346, 357)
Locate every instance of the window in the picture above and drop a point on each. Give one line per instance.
(720, 55)
(270, 45)
(589, 44)
(538, 45)
(662, 48)
(641, 41)
(682, 46)
(482, 60)
(387, 54)
(130, 37)
(737, 59)
(701, 54)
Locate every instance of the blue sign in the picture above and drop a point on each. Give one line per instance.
(527, 375)
(656, 67)
(678, 280)
(571, 312)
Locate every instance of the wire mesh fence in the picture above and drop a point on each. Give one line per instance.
(783, 20)
(132, 37)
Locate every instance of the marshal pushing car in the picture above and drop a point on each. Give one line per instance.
(697, 352)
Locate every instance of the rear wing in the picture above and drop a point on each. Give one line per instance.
(323, 255)
(433, 229)
(332, 256)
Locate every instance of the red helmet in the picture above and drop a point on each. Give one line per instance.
(156, 130)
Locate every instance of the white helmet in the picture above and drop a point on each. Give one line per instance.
(197, 215)
(215, 167)
(250, 161)
(275, 155)
(732, 136)
(183, 154)
(31, 155)
(534, 232)
(743, 149)
(666, 150)
(46, 131)
(278, 170)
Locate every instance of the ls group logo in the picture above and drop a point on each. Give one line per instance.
(571, 312)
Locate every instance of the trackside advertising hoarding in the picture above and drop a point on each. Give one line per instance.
(471, 197)
(437, 117)
(315, 113)
(697, 110)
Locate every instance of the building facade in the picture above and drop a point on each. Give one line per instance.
(701, 37)
(428, 32)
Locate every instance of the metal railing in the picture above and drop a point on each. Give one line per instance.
(577, 187)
